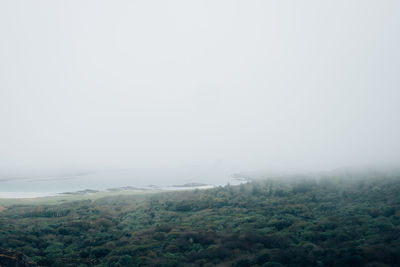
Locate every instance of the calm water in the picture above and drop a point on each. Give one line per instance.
(40, 186)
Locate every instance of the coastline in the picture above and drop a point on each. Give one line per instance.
(87, 192)
(23, 195)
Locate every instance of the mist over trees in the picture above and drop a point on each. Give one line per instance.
(337, 220)
(101, 94)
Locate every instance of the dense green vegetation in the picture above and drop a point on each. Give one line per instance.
(295, 221)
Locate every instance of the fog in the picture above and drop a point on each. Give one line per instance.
(237, 85)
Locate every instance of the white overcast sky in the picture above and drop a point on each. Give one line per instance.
(154, 84)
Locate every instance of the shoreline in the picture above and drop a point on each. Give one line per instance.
(88, 193)
(21, 195)
(26, 195)
(35, 195)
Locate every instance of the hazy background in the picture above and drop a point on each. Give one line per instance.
(235, 85)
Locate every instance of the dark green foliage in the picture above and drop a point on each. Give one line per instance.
(332, 221)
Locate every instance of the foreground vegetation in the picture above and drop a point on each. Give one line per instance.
(338, 220)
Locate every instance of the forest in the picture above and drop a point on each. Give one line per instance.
(332, 219)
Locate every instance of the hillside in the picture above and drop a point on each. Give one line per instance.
(333, 220)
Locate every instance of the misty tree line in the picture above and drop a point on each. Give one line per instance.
(342, 220)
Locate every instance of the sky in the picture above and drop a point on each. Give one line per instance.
(247, 85)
